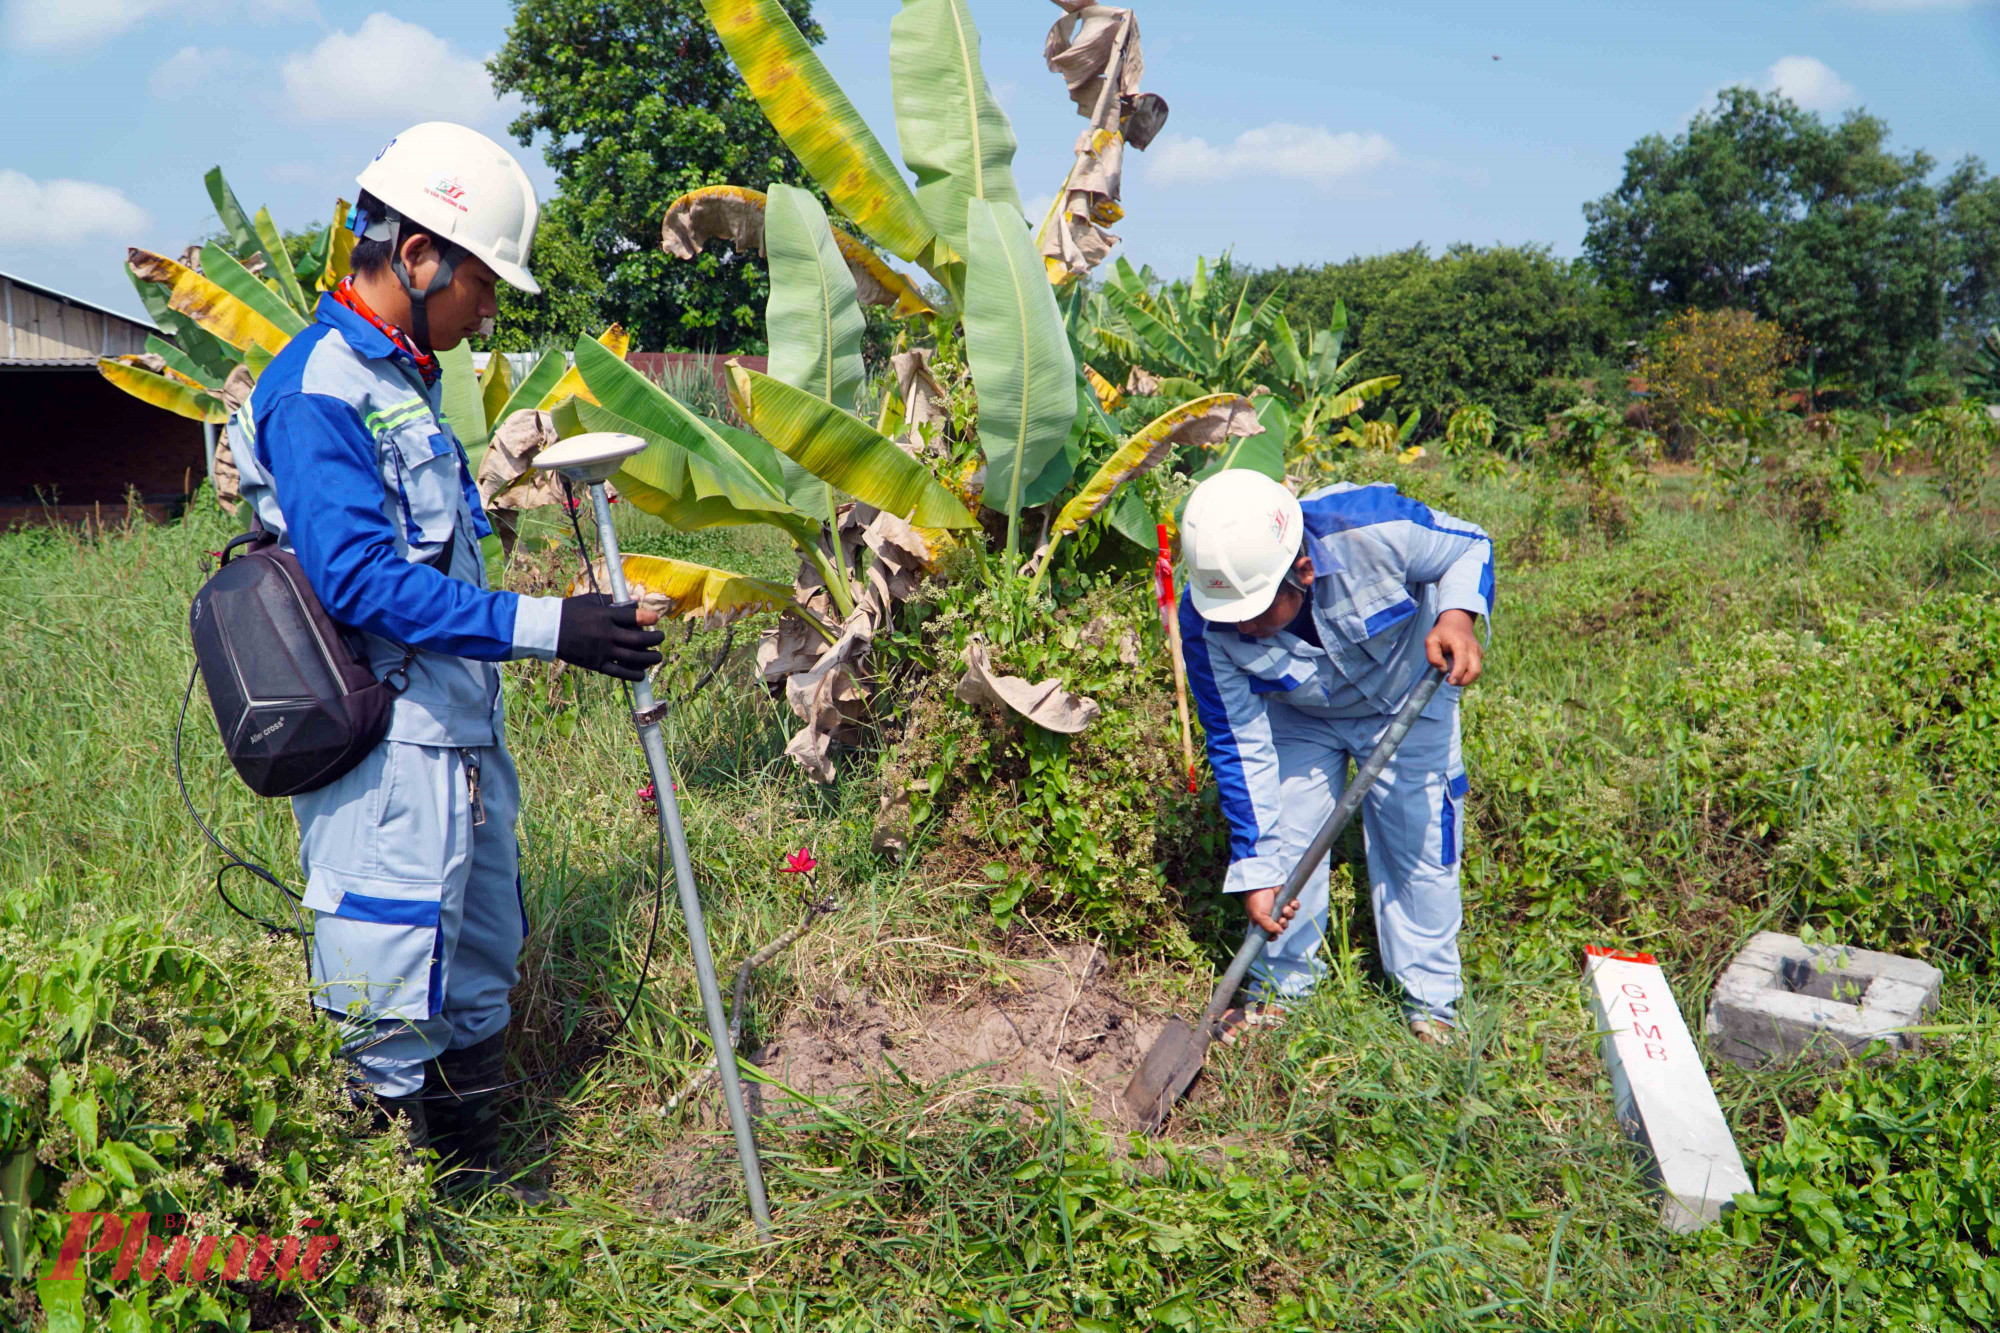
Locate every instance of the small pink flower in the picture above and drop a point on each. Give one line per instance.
(799, 863)
(647, 794)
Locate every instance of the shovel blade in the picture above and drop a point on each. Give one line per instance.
(1170, 1065)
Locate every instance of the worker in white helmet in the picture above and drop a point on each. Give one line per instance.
(1306, 626)
(411, 862)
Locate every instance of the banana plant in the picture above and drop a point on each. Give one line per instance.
(1196, 335)
(242, 303)
(1318, 385)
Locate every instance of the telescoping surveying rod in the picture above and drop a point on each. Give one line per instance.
(589, 460)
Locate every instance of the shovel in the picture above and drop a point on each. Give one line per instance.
(1177, 1054)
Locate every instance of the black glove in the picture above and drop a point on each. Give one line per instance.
(598, 636)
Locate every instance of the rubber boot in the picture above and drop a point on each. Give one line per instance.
(465, 1119)
(413, 1111)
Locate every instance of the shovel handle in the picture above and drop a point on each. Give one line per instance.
(1343, 811)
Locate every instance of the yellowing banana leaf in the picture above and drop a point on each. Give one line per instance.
(820, 126)
(339, 247)
(206, 303)
(280, 261)
(613, 339)
(184, 366)
(839, 448)
(495, 388)
(813, 319)
(699, 460)
(1204, 421)
(878, 284)
(1109, 396)
(219, 266)
(1351, 399)
(534, 386)
(257, 358)
(953, 133)
(658, 481)
(700, 592)
(1019, 353)
(733, 212)
(176, 396)
(736, 214)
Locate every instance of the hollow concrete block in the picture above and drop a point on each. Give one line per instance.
(1661, 1090)
(1783, 1000)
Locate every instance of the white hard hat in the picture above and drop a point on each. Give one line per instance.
(1240, 534)
(459, 185)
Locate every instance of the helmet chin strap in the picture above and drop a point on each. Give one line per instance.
(420, 320)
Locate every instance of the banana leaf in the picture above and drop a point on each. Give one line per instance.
(953, 133)
(736, 214)
(658, 481)
(234, 220)
(839, 448)
(221, 268)
(163, 391)
(340, 239)
(700, 592)
(280, 261)
(1019, 353)
(215, 357)
(256, 357)
(712, 465)
(1220, 416)
(817, 122)
(461, 402)
(878, 284)
(206, 303)
(534, 386)
(183, 364)
(813, 319)
(570, 383)
(495, 389)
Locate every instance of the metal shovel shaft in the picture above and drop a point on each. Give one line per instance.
(669, 807)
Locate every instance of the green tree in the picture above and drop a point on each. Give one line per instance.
(1824, 229)
(1512, 328)
(638, 103)
(572, 299)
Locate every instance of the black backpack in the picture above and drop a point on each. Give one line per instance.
(293, 695)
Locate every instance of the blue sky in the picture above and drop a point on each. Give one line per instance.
(1301, 130)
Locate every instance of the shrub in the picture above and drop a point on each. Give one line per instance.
(140, 1073)
(1702, 365)
(1887, 1189)
(1960, 439)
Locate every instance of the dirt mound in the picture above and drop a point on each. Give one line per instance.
(1055, 1021)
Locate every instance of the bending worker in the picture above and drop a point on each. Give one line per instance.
(1306, 625)
(412, 868)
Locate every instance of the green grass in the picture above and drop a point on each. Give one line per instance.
(1335, 1175)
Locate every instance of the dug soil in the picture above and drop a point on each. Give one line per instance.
(1054, 1021)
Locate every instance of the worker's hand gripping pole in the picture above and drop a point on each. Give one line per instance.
(669, 809)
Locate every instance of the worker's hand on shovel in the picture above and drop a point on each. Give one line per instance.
(1453, 647)
(1258, 902)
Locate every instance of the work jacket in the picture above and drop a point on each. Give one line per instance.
(345, 453)
(1384, 567)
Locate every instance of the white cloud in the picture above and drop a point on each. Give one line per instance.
(1309, 153)
(389, 70)
(46, 23)
(193, 72)
(1810, 83)
(61, 212)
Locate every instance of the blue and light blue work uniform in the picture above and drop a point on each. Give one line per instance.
(411, 863)
(1284, 714)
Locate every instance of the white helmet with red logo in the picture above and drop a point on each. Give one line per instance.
(459, 185)
(1240, 533)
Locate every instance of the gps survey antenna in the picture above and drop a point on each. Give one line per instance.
(589, 460)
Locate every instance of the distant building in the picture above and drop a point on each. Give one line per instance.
(76, 444)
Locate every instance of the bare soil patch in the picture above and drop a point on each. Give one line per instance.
(1058, 1021)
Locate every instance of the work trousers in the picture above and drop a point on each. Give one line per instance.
(418, 917)
(1410, 823)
